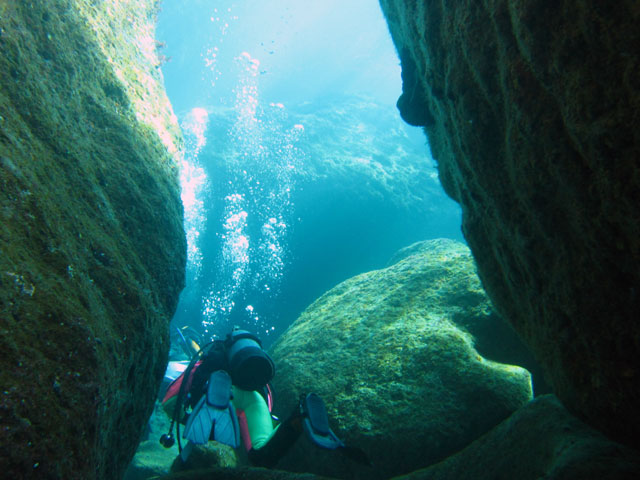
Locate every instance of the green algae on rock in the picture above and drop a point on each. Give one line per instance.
(91, 239)
(531, 109)
(540, 440)
(153, 460)
(392, 353)
(240, 473)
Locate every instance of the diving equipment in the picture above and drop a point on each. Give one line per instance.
(316, 423)
(251, 368)
(214, 414)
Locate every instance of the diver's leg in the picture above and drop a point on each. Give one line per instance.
(259, 421)
(278, 444)
(267, 445)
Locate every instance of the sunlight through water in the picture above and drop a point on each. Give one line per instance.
(193, 180)
(260, 174)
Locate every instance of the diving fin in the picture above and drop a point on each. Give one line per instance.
(186, 451)
(316, 423)
(214, 412)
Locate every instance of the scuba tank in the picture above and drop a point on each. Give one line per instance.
(250, 367)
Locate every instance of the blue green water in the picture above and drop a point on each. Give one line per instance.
(298, 172)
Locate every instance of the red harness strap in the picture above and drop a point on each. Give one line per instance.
(244, 430)
(174, 388)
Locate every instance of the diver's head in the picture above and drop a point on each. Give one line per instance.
(251, 368)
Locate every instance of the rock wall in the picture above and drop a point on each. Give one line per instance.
(531, 110)
(540, 440)
(92, 248)
(393, 354)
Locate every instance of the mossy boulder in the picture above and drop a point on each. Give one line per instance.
(240, 473)
(392, 354)
(531, 110)
(151, 460)
(92, 247)
(540, 440)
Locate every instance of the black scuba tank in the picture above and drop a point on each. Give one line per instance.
(250, 367)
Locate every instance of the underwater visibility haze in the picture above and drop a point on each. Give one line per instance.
(298, 171)
(205, 164)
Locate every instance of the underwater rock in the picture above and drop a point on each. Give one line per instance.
(541, 440)
(534, 109)
(151, 460)
(240, 473)
(392, 354)
(92, 247)
(213, 454)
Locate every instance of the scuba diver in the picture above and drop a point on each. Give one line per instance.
(224, 395)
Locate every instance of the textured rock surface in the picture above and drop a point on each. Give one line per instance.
(531, 109)
(243, 473)
(153, 460)
(391, 352)
(541, 440)
(92, 248)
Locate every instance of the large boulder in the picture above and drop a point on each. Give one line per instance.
(92, 247)
(240, 473)
(531, 109)
(392, 354)
(540, 440)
